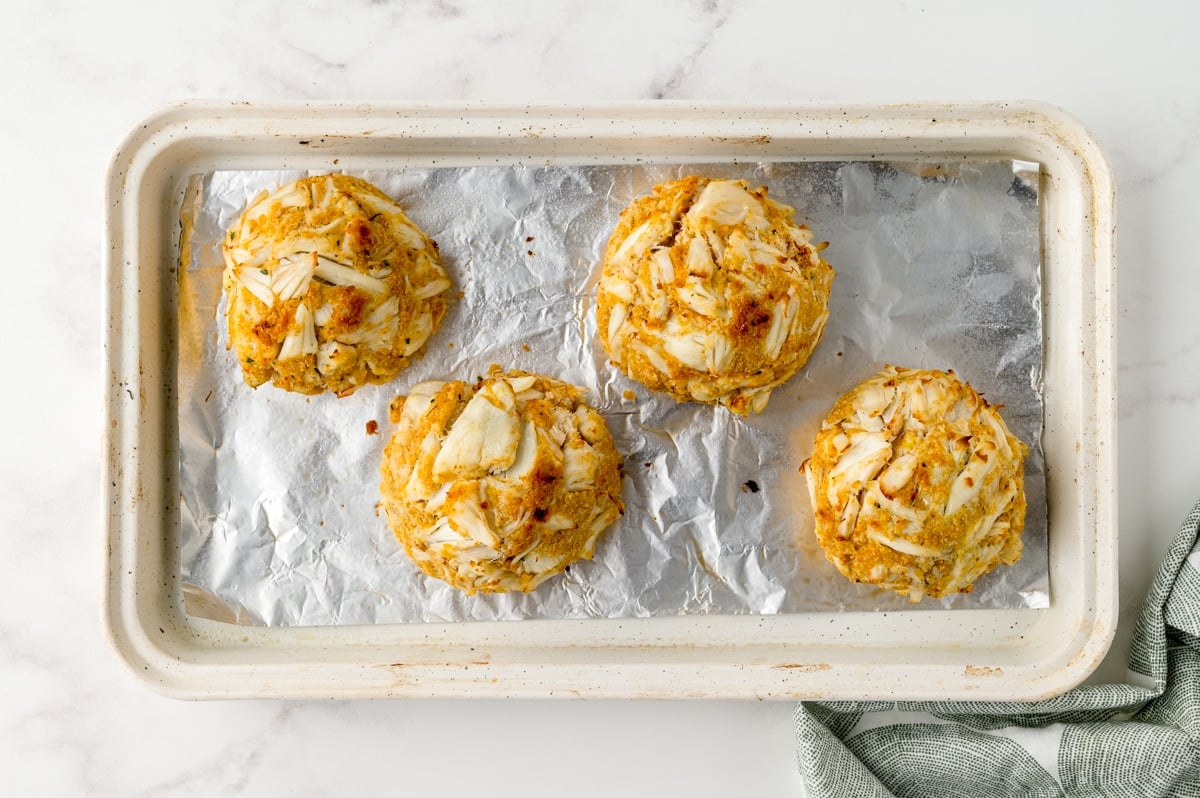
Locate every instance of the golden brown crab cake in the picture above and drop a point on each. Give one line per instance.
(916, 484)
(330, 286)
(500, 485)
(710, 292)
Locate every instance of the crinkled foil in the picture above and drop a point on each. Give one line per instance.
(938, 266)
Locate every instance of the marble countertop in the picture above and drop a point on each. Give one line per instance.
(75, 77)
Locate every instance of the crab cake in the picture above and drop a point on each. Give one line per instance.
(330, 286)
(917, 485)
(501, 485)
(710, 292)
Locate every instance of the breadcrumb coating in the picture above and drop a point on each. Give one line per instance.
(710, 292)
(500, 485)
(329, 287)
(916, 484)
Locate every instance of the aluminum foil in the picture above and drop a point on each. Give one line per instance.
(938, 266)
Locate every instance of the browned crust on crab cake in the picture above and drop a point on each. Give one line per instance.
(501, 485)
(329, 286)
(710, 292)
(916, 484)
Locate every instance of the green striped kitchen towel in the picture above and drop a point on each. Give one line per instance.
(1140, 739)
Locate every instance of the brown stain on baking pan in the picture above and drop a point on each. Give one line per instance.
(406, 665)
(404, 680)
(1087, 651)
(328, 140)
(746, 140)
(980, 671)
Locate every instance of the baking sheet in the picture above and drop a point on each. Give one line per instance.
(938, 266)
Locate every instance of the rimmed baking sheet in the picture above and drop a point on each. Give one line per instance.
(992, 654)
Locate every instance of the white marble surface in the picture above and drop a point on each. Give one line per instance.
(75, 76)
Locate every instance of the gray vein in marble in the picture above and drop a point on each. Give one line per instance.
(55, 726)
(18, 652)
(1178, 354)
(316, 57)
(1172, 160)
(438, 9)
(295, 78)
(446, 9)
(714, 18)
(1131, 406)
(229, 771)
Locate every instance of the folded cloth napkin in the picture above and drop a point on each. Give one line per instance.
(1139, 739)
